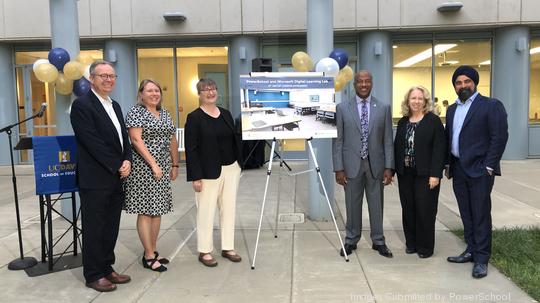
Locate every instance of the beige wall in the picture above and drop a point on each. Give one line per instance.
(140, 18)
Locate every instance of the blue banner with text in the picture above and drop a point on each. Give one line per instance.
(55, 165)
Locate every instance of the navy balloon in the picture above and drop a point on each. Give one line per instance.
(341, 57)
(81, 87)
(58, 57)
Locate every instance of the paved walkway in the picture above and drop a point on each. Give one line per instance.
(301, 265)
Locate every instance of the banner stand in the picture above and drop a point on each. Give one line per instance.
(51, 262)
(268, 173)
(55, 173)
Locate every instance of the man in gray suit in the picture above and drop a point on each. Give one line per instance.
(363, 155)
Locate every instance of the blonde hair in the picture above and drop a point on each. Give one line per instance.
(141, 89)
(405, 109)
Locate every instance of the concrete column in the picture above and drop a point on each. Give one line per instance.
(320, 42)
(375, 55)
(510, 84)
(242, 50)
(65, 34)
(8, 101)
(122, 54)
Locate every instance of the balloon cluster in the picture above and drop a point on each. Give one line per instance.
(335, 65)
(68, 75)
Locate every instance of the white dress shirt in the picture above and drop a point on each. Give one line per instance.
(108, 106)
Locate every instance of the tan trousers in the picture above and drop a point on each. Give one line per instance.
(220, 192)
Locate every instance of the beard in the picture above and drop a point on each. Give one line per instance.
(465, 93)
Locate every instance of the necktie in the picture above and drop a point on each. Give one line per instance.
(364, 123)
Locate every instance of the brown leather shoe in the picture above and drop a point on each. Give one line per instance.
(117, 278)
(231, 255)
(210, 262)
(102, 285)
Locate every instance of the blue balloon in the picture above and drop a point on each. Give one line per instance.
(341, 57)
(58, 57)
(81, 87)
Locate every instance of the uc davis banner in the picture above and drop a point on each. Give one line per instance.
(55, 164)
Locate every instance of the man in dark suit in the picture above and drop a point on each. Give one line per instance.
(363, 156)
(477, 132)
(103, 160)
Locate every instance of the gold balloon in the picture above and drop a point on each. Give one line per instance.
(73, 70)
(84, 58)
(339, 82)
(347, 72)
(46, 72)
(302, 62)
(63, 85)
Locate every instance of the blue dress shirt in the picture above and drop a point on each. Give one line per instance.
(459, 117)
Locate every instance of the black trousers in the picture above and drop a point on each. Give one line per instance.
(419, 210)
(100, 210)
(474, 200)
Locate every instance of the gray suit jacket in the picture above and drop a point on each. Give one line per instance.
(347, 146)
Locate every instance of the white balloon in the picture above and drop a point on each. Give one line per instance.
(87, 72)
(328, 66)
(38, 63)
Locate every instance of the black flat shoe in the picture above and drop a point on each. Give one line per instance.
(410, 250)
(148, 263)
(463, 258)
(423, 255)
(162, 260)
(348, 249)
(480, 270)
(383, 250)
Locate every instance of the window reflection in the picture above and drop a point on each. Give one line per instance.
(473, 53)
(157, 64)
(412, 66)
(31, 93)
(534, 91)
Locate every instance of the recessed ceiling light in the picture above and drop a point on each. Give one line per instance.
(439, 48)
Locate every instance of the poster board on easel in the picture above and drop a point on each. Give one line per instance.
(287, 106)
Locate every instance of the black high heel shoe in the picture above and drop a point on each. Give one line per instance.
(148, 263)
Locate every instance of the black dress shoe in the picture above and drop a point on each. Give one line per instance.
(479, 270)
(410, 250)
(463, 258)
(424, 255)
(348, 249)
(383, 250)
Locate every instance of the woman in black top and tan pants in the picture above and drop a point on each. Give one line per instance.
(213, 165)
(419, 150)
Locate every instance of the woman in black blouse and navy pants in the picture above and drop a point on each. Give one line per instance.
(419, 149)
(213, 158)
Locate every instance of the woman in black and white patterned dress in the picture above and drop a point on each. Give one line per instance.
(155, 164)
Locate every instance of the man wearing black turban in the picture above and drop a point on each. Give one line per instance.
(477, 132)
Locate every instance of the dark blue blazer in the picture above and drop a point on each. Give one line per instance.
(99, 153)
(483, 137)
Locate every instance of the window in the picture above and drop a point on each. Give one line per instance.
(451, 54)
(31, 93)
(157, 64)
(534, 90)
(412, 66)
